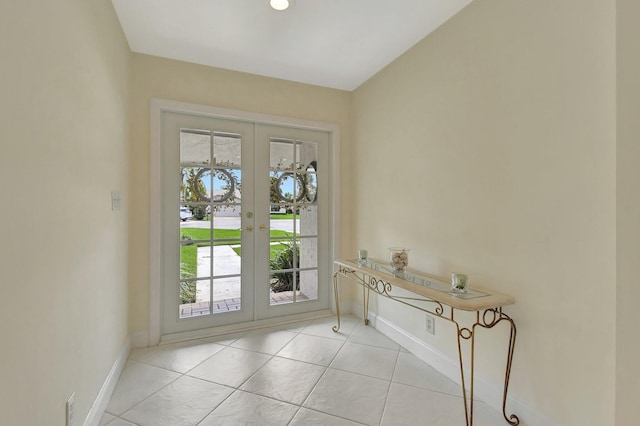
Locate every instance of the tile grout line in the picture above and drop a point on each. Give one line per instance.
(324, 375)
(386, 399)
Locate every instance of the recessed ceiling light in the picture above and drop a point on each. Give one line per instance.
(279, 4)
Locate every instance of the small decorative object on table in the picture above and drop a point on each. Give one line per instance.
(459, 283)
(398, 258)
(362, 256)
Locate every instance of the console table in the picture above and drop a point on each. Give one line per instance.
(378, 277)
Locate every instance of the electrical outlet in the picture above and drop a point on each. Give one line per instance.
(431, 325)
(70, 409)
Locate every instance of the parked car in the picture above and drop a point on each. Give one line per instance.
(185, 213)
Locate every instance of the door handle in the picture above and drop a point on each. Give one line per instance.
(249, 228)
(263, 227)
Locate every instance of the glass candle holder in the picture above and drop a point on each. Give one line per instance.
(459, 283)
(398, 258)
(362, 256)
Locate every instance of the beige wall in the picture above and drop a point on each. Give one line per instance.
(155, 77)
(63, 252)
(489, 148)
(628, 202)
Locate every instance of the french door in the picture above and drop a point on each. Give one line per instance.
(244, 219)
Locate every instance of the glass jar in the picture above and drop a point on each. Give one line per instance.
(362, 256)
(398, 258)
(459, 283)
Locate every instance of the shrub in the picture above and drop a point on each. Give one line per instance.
(187, 292)
(199, 212)
(284, 259)
(186, 237)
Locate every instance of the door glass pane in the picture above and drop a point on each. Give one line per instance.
(226, 256)
(282, 188)
(283, 265)
(227, 150)
(224, 224)
(194, 298)
(226, 295)
(306, 174)
(307, 154)
(308, 252)
(289, 187)
(281, 154)
(194, 182)
(307, 221)
(195, 147)
(226, 186)
(308, 286)
(188, 258)
(309, 183)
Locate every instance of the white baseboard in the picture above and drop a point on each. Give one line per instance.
(102, 400)
(484, 390)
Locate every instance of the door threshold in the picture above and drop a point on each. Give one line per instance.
(244, 326)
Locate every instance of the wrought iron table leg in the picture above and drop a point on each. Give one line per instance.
(365, 302)
(465, 333)
(489, 319)
(512, 419)
(337, 297)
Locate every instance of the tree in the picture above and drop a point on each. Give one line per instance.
(191, 186)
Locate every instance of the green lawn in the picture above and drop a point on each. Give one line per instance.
(188, 261)
(222, 234)
(188, 253)
(281, 216)
(273, 249)
(205, 234)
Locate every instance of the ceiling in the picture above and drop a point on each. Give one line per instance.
(332, 43)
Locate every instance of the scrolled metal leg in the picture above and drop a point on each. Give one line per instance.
(465, 333)
(512, 419)
(365, 302)
(335, 328)
(473, 365)
(490, 318)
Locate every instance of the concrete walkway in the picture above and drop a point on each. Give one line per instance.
(225, 262)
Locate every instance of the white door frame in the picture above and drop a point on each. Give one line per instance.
(158, 107)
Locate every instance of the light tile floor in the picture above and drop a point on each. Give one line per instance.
(299, 374)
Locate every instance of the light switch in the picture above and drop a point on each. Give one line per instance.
(116, 199)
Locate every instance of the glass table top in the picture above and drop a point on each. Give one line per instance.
(419, 279)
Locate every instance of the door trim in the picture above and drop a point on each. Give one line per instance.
(158, 107)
